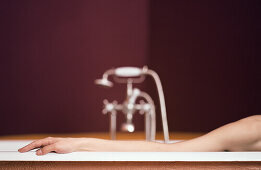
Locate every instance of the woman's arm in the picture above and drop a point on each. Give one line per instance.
(243, 135)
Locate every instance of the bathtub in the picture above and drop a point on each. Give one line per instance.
(8, 152)
(11, 159)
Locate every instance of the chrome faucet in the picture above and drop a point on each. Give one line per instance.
(131, 105)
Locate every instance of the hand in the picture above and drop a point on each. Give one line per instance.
(51, 144)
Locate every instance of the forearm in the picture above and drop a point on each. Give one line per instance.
(93, 144)
(216, 140)
(238, 136)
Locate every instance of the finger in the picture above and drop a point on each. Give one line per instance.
(37, 144)
(45, 150)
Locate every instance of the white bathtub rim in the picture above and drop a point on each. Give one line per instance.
(135, 156)
(8, 152)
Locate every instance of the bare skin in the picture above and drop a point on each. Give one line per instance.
(242, 135)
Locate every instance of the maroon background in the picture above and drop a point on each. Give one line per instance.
(51, 53)
(207, 54)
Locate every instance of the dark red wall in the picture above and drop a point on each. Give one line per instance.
(51, 53)
(207, 54)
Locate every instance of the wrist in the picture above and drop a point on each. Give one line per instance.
(86, 144)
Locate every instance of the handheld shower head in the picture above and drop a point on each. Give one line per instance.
(103, 82)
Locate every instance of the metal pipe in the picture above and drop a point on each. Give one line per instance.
(162, 103)
(152, 115)
(113, 125)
